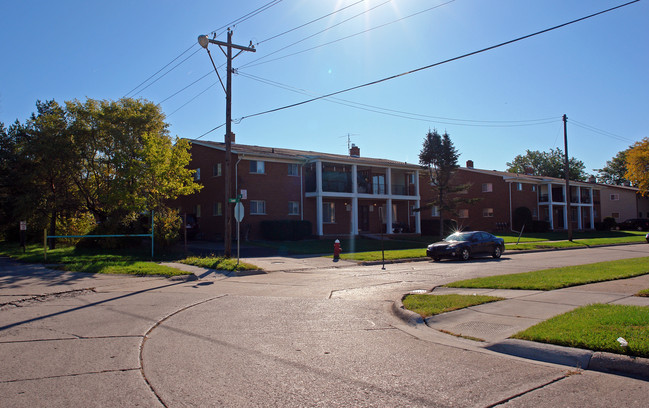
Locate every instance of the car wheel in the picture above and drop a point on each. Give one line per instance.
(497, 252)
(639, 228)
(436, 258)
(464, 254)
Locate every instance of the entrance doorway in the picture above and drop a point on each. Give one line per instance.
(364, 218)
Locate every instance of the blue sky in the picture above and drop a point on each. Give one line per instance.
(494, 105)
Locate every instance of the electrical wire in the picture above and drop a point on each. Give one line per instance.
(249, 15)
(252, 64)
(378, 81)
(410, 115)
(310, 22)
(319, 32)
(599, 131)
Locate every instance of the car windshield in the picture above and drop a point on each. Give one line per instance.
(458, 236)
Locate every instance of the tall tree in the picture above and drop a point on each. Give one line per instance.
(548, 164)
(439, 157)
(615, 170)
(637, 164)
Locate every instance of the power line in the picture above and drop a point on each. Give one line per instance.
(158, 71)
(249, 15)
(319, 32)
(439, 63)
(252, 64)
(310, 22)
(411, 115)
(599, 131)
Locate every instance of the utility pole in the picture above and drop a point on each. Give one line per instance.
(566, 169)
(203, 40)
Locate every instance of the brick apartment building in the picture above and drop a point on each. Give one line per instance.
(351, 195)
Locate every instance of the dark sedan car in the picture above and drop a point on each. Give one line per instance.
(463, 245)
(635, 224)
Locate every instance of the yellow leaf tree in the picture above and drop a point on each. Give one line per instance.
(637, 165)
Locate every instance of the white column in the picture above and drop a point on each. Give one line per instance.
(388, 181)
(579, 226)
(550, 207)
(592, 209)
(354, 200)
(417, 204)
(388, 216)
(318, 191)
(565, 207)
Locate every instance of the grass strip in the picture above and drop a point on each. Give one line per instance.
(220, 263)
(429, 305)
(138, 268)
(596, 327)
(557, 278)
(643, 293)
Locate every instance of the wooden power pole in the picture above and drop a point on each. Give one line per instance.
(203, 40)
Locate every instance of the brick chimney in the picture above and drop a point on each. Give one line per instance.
(469, 164)
(355, 151)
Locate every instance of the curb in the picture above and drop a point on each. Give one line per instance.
(636, 367)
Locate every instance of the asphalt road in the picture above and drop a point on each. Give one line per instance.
(298, 336)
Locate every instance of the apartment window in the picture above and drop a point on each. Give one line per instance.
(216, 170)
(615, 197)
(615, 215)
(293, 208)
(411, 210)
(197, 174)
(217, 209)
(519, 186)
(487, 187)
(463, 213)
(328, 212)
(292, 169)
(434, 211)
(256, 167)
(533, 188)
(257, 207)
(197, 210)
(378, 184)
(535, 213)
(487, 212)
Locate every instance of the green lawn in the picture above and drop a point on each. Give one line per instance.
(220, 263)
(643, 293)
(429, 305)
(133, 261)
(596, 327)
(556, 278)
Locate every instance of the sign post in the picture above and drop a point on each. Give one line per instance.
(238, 215)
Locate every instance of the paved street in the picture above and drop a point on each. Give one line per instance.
(309, 332)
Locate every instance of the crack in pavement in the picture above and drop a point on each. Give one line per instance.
(43, 298)
(520, 394)
(120, 370)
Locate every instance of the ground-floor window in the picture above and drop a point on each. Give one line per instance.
(487, 212)
(463, 213)
(329, 212)
(293, 208)
(257, 207)
(217, 209)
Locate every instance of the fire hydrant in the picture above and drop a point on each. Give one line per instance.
(337, 250)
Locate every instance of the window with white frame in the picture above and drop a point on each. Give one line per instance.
(434, 211)
(533, 188)
(411, 210)
(463, 213)
(293, 169)
(519, 186)
(329, 212)
(257, 207)
(487, 187)
(488, 212)
(216, 170)
(293, 208)
(197, 174)
(535, 212)
(615, 197)
(256, 167)
(217, 209)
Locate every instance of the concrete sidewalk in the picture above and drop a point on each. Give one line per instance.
(494, 323)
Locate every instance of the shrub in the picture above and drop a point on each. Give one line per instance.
(609, 223)
(285, 230)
